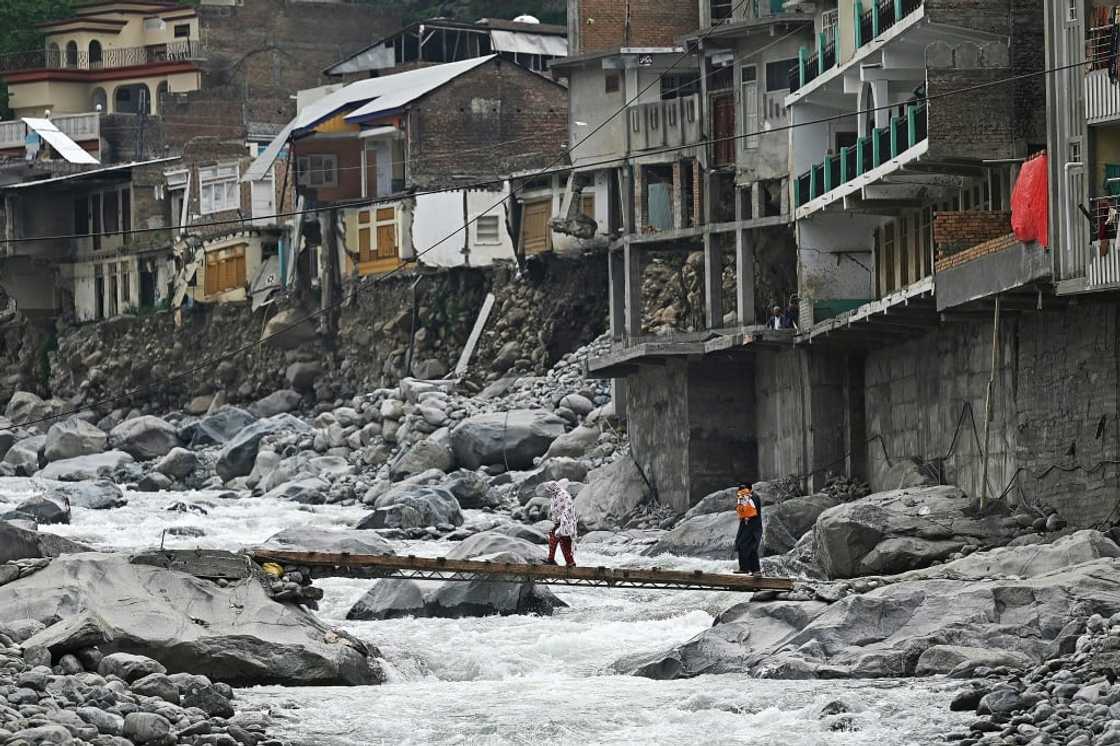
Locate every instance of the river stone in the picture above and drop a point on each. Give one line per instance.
(579, 404)
(512, 439)
(961, 660)
(414, 506)
(454, 599)
(154, 482)
(472, 490)
(239, 454)
(145, 727)
(330, 540)
(129, 667)
(310, 491)
(786, 522)
(27, 409)
(574, 444)
(25, 456)
(107, 723)
(145, 437)
(291, 329)
(85, 467)
(207, 698)
(846, 535)
(157, 685)
(302, 376)
(43, 510)
(73, 437)
(278, 402)
(613, 493)
(219, 427)
(19, 543)
(236, 634)
(99, 494)
(179, 463)
(422, 456)
(710, 535)
(41, 735)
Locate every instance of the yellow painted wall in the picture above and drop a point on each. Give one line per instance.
(61, 97)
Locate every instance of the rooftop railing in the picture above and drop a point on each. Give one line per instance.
(187, 50)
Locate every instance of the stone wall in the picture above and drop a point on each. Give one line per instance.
(722, 447)
(148, 363)
(657, 411)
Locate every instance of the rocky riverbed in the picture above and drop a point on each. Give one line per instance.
(119, 534)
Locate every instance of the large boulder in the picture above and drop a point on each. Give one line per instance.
(890, 532)
(1018, 618)
(41, 509)
(310, 491)
(330, 540)
(785, 523)
(85, 467)
(26, 456)
(414, 506)
(574, 444)
(97, 494)
(472, 490)
(179, 463)
(708, 535)
(613, 493)
(239, 454)
(278, 402)
(25, 409)
(145, 437)
(235, 634)
(73, 437)
(219, 427)
(422, 456)
(301, 376)
(291, 329)
(18, 543)
(454, 599)
(512, 439)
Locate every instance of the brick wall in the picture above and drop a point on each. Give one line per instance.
(982, 249)
(492, 121)
(348, 154)
(959, 230)
(975, 125)
(601, 24)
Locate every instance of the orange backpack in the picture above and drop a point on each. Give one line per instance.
(745, 507)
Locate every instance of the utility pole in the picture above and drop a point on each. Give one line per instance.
(988, 403)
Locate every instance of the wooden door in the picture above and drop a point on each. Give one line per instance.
(535, 233)
(723, 129)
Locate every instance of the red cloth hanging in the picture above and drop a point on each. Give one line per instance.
(1030, 202)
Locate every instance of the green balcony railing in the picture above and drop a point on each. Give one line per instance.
(883, 144)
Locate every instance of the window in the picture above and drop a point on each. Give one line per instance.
(318, 170)
(749, 102)
(486, 229)
(94, 53)
(153, 24)
(830, 19)
(1071, 11)
(126, 286)
(71, 54)
(112, 212)
(679, 85)
(126, 212)
(612, 82)
(377, 238)
(218, 189)
(182, 31)
(777, 74)
(587, 205)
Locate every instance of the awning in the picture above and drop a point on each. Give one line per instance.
(385, 132)
(57, 139)
(525, 43)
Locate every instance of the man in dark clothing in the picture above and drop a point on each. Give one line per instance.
(748, 541)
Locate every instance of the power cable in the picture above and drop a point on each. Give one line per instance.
(550, 170)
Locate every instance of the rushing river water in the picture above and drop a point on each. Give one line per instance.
(528, 680)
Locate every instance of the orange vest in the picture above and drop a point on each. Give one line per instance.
(746, 509)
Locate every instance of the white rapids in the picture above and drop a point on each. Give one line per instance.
(530, 680)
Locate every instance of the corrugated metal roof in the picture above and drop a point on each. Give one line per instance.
(387, 93)
(91, 172)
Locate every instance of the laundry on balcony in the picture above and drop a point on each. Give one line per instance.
(1030, 202)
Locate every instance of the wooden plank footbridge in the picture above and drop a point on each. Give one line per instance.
(441, 568)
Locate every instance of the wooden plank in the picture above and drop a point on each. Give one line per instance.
(202, 563)
(476, 332)
(441, 566)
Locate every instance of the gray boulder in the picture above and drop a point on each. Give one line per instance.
(27, 409)
(85, 467)
(785, 523)
(414, 506)
(291, 329)
(219, 427)
(331, 540)
(145, 437)
(513, 439)
(527, 484)
(721, 501)
(19, 543)
(708, 535)
(146, 727)
(73, 437)
(612, 494)
(278, 402)
(422, 456)
(99, 494)
(959, 659)
(310, 491)
(239, 454)
(26, 456)
(302, 376)
(42, 509)
(931, 519)
(179, 463)
(455, 599)
(235, 634)
(574, 444)
(129, 667)
(472, 490)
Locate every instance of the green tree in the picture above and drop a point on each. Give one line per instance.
(19, 33)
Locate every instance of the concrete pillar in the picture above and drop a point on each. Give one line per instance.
(713, 281)
(616, 272)
(744, 276)
(632, 280)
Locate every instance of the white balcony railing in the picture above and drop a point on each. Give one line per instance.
(1102, 97)
(78, 127)
(660, 124)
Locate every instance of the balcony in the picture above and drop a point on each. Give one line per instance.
(661, 124)
(78, 127)
(725, 12)
(1101, 267)
(107, 59)
(868, 154)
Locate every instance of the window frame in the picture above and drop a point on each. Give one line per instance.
(307, 170)
(210, 178)
(486, 240)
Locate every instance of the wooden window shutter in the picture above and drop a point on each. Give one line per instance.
(386, 232)
(535, 233)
